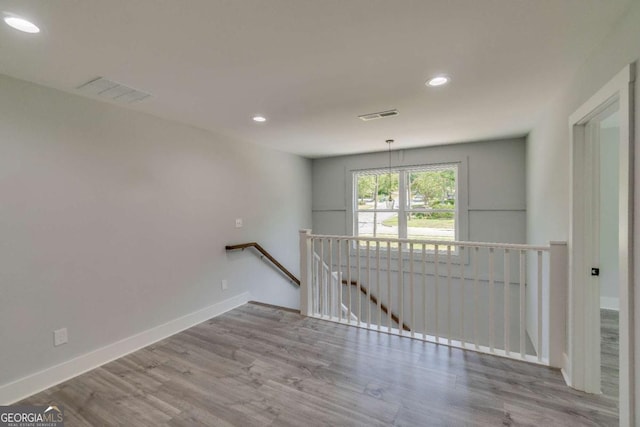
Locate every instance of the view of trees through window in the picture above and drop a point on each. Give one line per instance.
(417, 203)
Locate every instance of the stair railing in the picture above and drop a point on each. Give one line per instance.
(498, 298)
(336, 282)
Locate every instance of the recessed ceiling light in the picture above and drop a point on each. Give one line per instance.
(21, 24)
(438, 81)
(259, 119)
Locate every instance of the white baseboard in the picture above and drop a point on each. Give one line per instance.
(38, 381)
(565, 369)
(610, 303)
(533, 344)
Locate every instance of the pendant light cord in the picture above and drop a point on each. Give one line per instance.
(389, 142)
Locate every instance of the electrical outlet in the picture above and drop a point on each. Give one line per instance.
(238, 222)
(225, 285)
(60, 337)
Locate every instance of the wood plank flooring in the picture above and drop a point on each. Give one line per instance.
(609, 353)
(263, 366)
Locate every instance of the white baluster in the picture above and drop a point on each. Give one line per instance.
(348, 254)
(437, 285)
(449, 294)
(390, 324)
(400, 289)
(507, 285)
(368, 284)
(475, 296)
(338, 242)
(330, 282)
(539, 306)
(462, 288)
(314, 279)
(523, 305)
(378, 293)
(358, 283)
(411, 291)
(424, 292)
(323, 299)
(491, 300)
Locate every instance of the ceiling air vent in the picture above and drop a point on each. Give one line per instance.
(380, 115)
(113, 90)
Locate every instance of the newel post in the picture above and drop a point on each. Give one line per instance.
(305, 273)
(557, 302)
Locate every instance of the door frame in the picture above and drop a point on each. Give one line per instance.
(584, 301)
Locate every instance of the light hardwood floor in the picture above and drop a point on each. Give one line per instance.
(259, 365)
(609, 353)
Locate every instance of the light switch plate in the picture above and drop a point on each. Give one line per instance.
(60, 337)
(238, 222)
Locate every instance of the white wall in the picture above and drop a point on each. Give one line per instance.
(548, 149)
(495, 186)
(609, 149)
(114, 222)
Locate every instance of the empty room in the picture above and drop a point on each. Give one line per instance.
(310, 212)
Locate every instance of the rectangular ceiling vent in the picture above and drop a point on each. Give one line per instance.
(106, 88)
(380, 115)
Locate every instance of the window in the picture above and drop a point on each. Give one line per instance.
(418, 203)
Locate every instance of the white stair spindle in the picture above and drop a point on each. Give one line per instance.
(424, 292)
(539, 306)
(507, 285)
(462, 289)
(330, 281)
(491, 300)
(323, 289)
(339, 279)
(476, 250)
(523, 305)
(437, 285)
(368, 284)
(411, 291)
(400, 289)
(348, 255)
(389, 320)
(358, 283)
(378, 293)
(315, 304)
(449, 294)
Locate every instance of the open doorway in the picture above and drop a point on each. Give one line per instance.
(600, 336)
(604, 133)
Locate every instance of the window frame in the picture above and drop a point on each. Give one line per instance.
(405, 208)
(461, 206)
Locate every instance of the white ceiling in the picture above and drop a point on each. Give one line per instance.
(312, 66)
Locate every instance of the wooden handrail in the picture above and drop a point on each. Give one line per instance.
(294, 279)
(262, 250)
(383, 307)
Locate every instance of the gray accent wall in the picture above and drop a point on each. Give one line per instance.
(113, 222)
(493, 184)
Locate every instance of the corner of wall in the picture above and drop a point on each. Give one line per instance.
(31, 384)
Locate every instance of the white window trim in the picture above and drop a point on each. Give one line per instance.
(462, 193)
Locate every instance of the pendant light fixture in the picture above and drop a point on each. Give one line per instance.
(389, 142)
